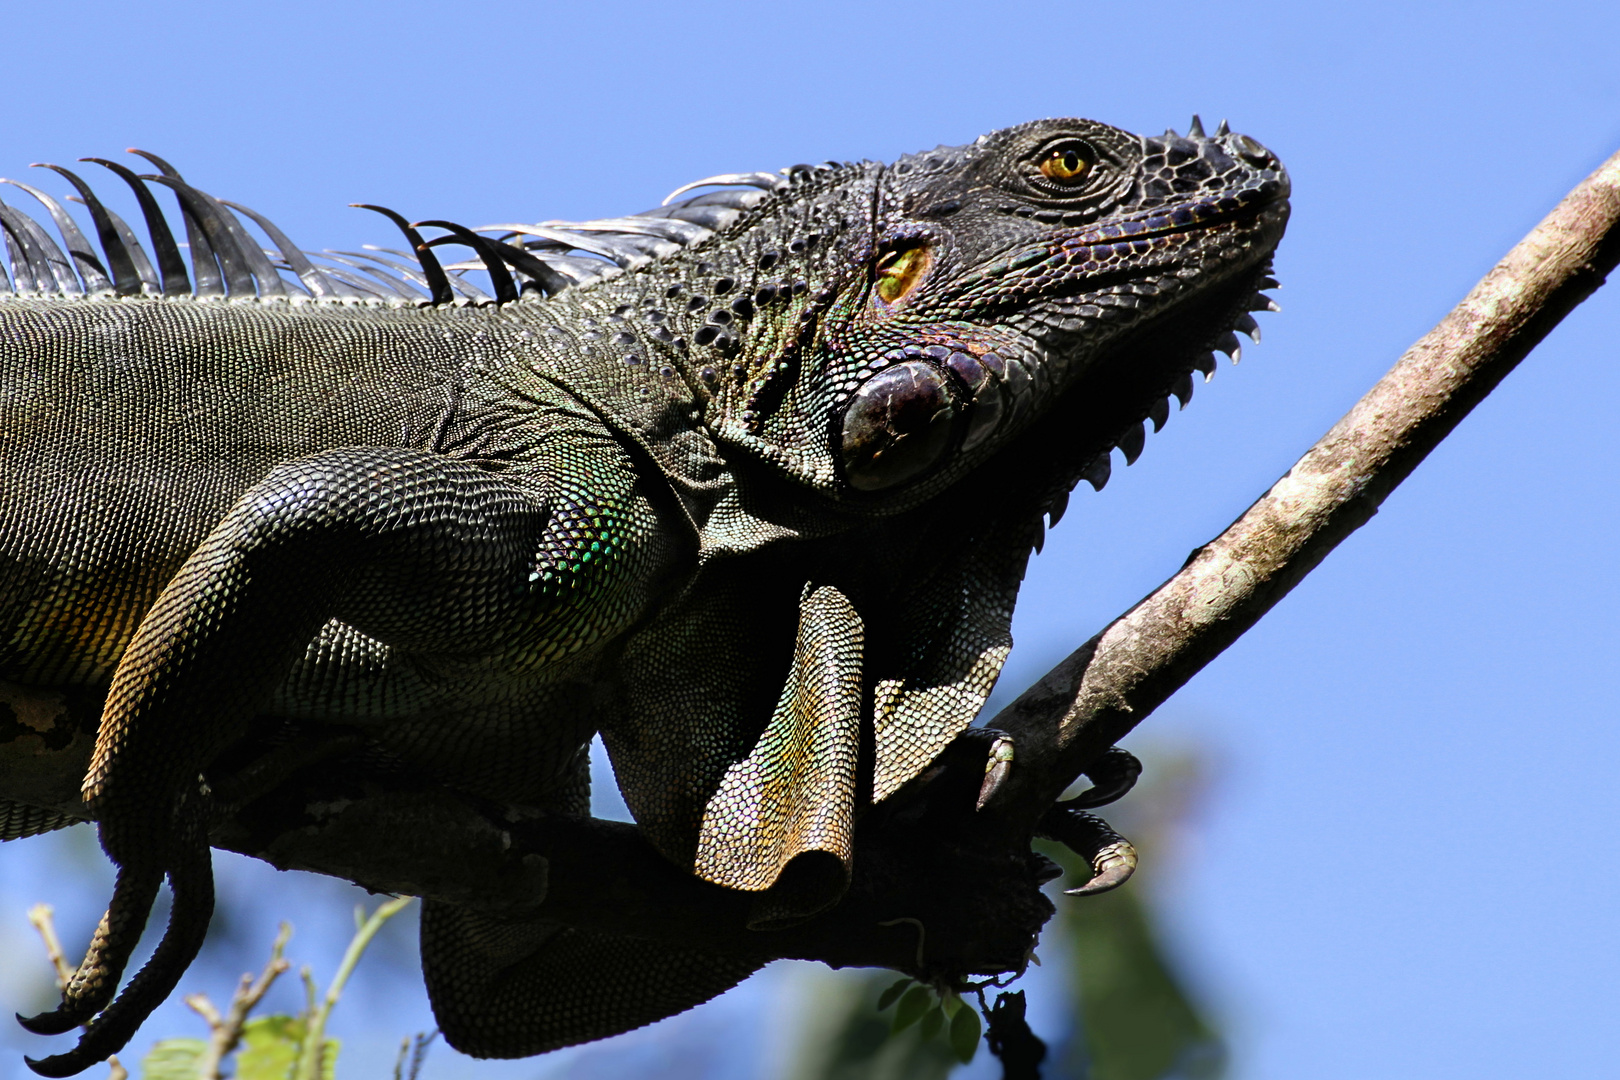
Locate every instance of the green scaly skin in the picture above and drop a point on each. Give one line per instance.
(756, 511)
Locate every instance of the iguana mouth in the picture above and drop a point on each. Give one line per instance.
(1131, 383)
(1254, 204)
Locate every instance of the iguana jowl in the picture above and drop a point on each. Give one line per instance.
(752, 499)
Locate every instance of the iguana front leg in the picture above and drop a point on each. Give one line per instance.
(431, 555)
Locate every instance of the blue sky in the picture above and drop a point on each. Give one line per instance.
(1407, 862)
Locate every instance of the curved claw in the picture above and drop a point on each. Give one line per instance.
(1113, 860)
(54, 1022)
(60, 1065)
(1111, 867)
(997, 766)
(37, 1024)
(1113, 774)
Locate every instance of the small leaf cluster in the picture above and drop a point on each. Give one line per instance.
(270, 1049)
(934, 1011)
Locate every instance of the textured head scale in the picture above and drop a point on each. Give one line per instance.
(960, 293)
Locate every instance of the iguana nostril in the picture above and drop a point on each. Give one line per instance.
(1253, 152)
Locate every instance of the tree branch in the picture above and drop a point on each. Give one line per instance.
(1114, 681)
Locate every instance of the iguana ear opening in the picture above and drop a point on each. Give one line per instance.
(781, 821)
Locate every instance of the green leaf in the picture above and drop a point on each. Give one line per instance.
(932, 1021)
(892, 994)
(911, 1008)
(950, 1002)
(269, 1047)
(964, 1037)
(173, 1059)
(850, 1040)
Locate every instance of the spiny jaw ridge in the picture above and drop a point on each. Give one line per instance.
(1133, 439)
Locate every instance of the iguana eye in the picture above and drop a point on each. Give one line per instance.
(898, 426)
(1066, 163)
(898, 272)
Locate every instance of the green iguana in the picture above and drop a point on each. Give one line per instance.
(746, 483)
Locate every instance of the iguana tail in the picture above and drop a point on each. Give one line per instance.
(507, 987)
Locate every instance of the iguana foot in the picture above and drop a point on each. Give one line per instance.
(1112, 775)
(1112, 858)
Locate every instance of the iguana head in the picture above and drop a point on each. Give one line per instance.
(890, 328)
(923, 357)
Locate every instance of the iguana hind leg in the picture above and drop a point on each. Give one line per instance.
(430, 552)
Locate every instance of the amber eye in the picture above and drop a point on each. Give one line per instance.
(1066, 164)
(898, 272)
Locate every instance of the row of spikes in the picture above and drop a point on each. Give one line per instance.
(226, 261)
(1133, 439)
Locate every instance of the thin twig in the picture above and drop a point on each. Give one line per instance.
(43, 916)
(419, 1055)
(309, 1059)
(225, 1032)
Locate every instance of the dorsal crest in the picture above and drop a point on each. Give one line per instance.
(227, 260)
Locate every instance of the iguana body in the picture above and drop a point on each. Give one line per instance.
(755, 508)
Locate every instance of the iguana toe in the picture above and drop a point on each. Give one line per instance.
(997, 767)
(1112, 858)
(55, 1022)
(61, 1064)
(192, 883)
(93, 984)
(1112, 776)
